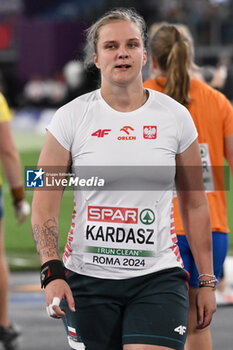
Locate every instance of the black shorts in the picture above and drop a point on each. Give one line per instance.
(151, 309)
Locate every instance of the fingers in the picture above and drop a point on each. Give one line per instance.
(204, 319)
(54, 309)
(199, 317)
(21, 219)
(22, 210)
(55, 291)
(70, 301)
(206, 306)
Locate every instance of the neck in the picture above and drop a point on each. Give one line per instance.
(124, 98)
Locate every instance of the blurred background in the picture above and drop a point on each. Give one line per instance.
(38, 38)
(41, 68)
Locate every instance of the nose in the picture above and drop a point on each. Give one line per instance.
(123, 53)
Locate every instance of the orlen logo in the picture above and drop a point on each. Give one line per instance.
(127, 130)
(101, 133)
(113, 214)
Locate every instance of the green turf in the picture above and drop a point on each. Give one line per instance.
(18, 239)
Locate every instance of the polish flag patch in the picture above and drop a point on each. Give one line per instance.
(72, 332)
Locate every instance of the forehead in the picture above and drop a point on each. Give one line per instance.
(118, 31)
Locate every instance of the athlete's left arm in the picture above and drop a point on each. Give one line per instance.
(194, 210)
(228, 150)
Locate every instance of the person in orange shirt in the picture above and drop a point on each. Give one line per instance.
(212, 113)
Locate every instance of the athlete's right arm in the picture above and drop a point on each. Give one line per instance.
(45, 210)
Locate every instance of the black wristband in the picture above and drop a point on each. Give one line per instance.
(51, 270)
(205, 285)
(17, 194)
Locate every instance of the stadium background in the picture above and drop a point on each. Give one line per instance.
(37, 41)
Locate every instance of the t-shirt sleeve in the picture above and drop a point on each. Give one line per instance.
(61, 127)
(187, 131)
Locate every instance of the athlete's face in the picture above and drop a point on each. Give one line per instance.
(120, 52)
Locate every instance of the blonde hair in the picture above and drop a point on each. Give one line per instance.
(172, 48)
(118, 14)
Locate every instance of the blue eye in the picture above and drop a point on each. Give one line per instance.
(133, 44)
(110, 46)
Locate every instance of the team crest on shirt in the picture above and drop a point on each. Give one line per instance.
(150, 132)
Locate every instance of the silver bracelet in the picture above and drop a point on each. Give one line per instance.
(206, 275)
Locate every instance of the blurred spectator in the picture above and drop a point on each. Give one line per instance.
(227, 89)
(39, 92)
(55, 90)
(220, 77)
(79, 79)
(74, 74)
(33, 92)
(215, 77)
(224, 292)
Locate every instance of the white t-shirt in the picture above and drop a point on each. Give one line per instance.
(126, 228)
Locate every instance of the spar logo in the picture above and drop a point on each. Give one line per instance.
(120, 215)
(127, 131)
(113, 214)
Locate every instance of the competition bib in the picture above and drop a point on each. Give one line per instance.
(121, 237)
(206, 168)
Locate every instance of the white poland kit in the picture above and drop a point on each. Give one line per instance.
(120, 232)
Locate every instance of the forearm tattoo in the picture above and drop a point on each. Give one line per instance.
(46, 238)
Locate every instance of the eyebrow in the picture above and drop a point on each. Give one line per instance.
(114, 41)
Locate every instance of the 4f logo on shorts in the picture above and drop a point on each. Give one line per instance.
(35, 178)
(181, 330)
(101, 133)
(150, 132)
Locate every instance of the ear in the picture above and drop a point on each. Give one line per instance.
(95, 59)
(144, 59)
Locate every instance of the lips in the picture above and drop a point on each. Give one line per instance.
(124, 66)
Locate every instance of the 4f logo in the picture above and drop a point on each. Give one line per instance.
(35, 178)
(181, 330)
(101, 133)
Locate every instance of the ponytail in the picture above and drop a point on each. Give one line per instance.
(172, 52)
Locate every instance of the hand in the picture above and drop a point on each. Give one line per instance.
(206, 306)
(22, 210)
(58, 289)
